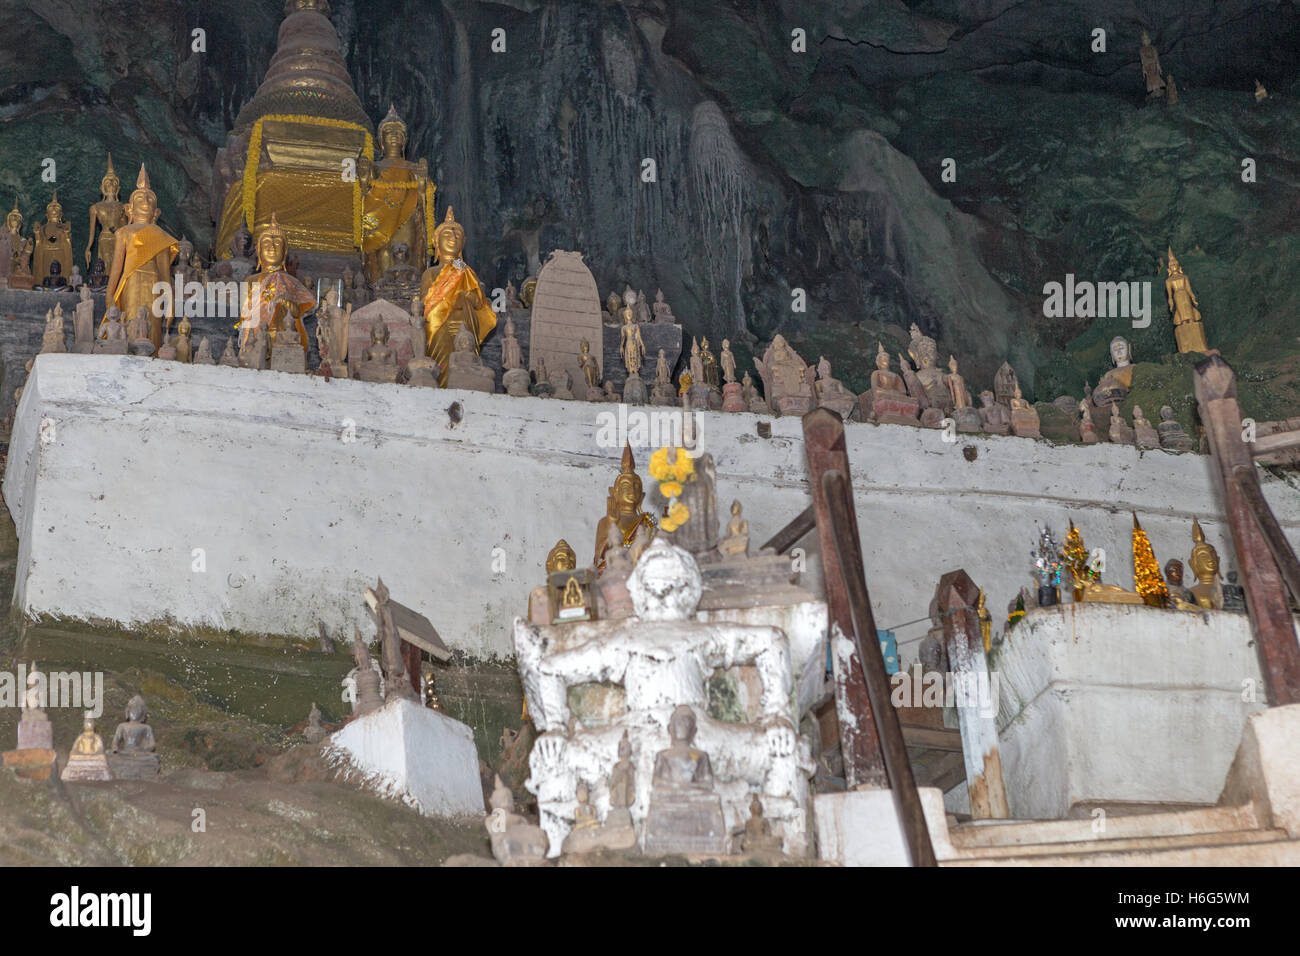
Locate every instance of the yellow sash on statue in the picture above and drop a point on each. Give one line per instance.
(145, 244)
(381, 220)
(444, 294)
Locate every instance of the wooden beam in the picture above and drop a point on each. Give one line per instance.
(1278, 441)
(930, 739)
(1266, 598)
(1247, 483)
(788, 537)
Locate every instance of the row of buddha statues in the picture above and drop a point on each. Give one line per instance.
(131, 754)
(1159, 83)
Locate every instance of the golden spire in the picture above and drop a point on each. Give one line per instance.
(271, 229)
(1173, 261)
(629, 463)
(110, 171)
(1197, 534)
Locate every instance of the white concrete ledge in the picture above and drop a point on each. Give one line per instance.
(145, 461)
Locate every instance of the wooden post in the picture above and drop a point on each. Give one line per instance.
(864, 760)
(787, 537)
(957, 598)
(1266, 601)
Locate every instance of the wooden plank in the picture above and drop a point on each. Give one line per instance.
(1266, 597)
(1248, 486)
(931, 739)
(787, 537)
(864, 759)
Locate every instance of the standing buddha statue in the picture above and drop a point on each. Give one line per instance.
(398, 204)
(1188, 331)
(274, 296)
(53, 242)
(109, 214)
(20, 267)
(142, 256)
(453, 297)
(623, 509)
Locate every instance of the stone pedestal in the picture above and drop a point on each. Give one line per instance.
(35, 733)
(686, 821)
(142, 347)
(733, 399)
(289, 358)
(516, 382)
(888, 408)
(82, 768)
(634, 391)
(130, 765)
(414, 754)
(31, 764)
(474, 378)
(663, 395)
(381, 372)
(699, 395)
(799, 405)
(932, 417)
(111, 346)
(422, 372)
(1024, 423)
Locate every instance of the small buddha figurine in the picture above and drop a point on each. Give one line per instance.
(585, 833)
(1115, 384)
(787, 379)
(1171, 434)
(728, 363)
(685, 814)
(925, 353)
(1179, 596)
(401, 280)
(613, 303)
(1120, 433)
(642, 308)
(133, 754)
(467, 369)
(228, 356)
(275, 297)
(696, 363)
(53, 243)
(1234, 595)
(1024, 417)
(630, 344)
(561, 384)
(736, 540)
(710, 365)
(55, 279)
(1087, 430)
(184, 350)
(203, 354)
(112, 331)
(453, 297)
(662, 312)
(1005, 383)
(628, 311)
(512, 356)
(515, 841)
(1143, 430)
(1189, 333)
(87, 759)
(20, 256)
(1204, 563)
(1261, 94)
(1150, 60)
(622, 508)
(142, 256)
(379, 350)
(663, 373)
(957, 386)
(98, 278)
(994, 415)
(590, 370)
(758, 839)
(314, 732)
(986, 622)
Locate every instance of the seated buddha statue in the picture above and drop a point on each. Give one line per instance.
(1115, 384)
(398, 198)
(401, 280)
(622, 508)
(53, 242)
(887, 400)
(274, 296)
(925, 353)
(685, 812)
(142, 256)
(453, 297)
(133, 744)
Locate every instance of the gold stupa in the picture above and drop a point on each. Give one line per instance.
(288, 148)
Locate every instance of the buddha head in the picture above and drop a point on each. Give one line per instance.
(379, 333)
(449, 238)
(401, 253)
(1173, 267)
(144, 201)
(626, 495)
(987, 399)
(952, 364)
(1204, 561)
(110, 185)
(882, 358)
(15, 219)
(136, 710)
(1146, 38)
(54, 209)
(271, 247)
(561, 558)
(184, 327)
(241, 243)
(1174, 572)
(629, 298)
(392, 135)
(316, 6)
(1119, 351)
(681, 725)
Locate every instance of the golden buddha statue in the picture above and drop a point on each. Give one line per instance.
(623, 508)
(452, 297)
(20, 264)
(561, 558)
(398, 203)
(274, 296)
(53, 240)
(108, 214)
(88, 743)
(1189, 333)
(142, 256)
(1204, 563)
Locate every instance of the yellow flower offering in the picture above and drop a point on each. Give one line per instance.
(670, 489)
(677, 516)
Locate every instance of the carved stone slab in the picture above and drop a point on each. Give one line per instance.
(566, 310)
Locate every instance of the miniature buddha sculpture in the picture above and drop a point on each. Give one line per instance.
(735, 542)
(378, 361)
(55, 279)
(622, 508)
(755, 402)
(229, 357)
(111, 333)
(1120, 433)
(1261, 94)
(1171, 434)
(787, 379)
(1204, 563)
(696, 363)
(613, 303)
(1115, 384)
(758, 839)
(241, 263)
(1024, 417)
(256, 351)
(1144, 433)
(142, 256)
(1189, 333)
(98, 278)
(83, 322)
(887, 401)
(467, 369)
(1087, 430)
(561, 384)
(512, 355)
(994, 415)
(453, 297)
(401, 280)
(366, 683)
(184, 250)
(830, 391)
(53, 338)
(728, 361)
(1149, 57)
(710, 365)
(685, 813)
(628, 311)
(20, 257)
(35, 732)
(133, 754)
(618, 832)
(184, 348)
(925, 353)
(515, 841)
(1179, 596)
(662, 392)
(53, 243)
(203, 354)
(590, 370)
(314, 732)
(631, 347)
(1005, 384)
(662, 312)
(397, 194)
(275, 298)
(87, 759)
(642, 308)
(1234, 595)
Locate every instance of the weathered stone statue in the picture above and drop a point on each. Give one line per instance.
(663, 392)
(239, 265)
(696, 363)
(142, 256)
(590, 372)
(35, 732)
(830, 391)
(453, 297)
(728, 361)
(53, 242)
(256, 352)
(758, 839)
(1087, 430)
(1204, 563)
(314, 733)
(787, 379)
(735, 543)
(98, 278)
(83, 323)
(1024, 417)
(53, 338)
(642, 308)
(87, 760)
(1189, 333)
(1120, 433)
(753, 401)
(925, 353)
(467, 369)
(663, 313)
(515, 841)
(1144, 433)
(108, 215)
(112, 333)
(1172, 436)
(379, 361)
(228, 356)
(1114, 385)
(20, 259)
(133, 754)
(515, 378)
(203, 354)
(710, 365)
(995, 416)
(685, 814)
(887, 401)
(561, 383)
(622, 508)
(1005, 384)
(401, 280)
(1150, 59)
(367, 684)
(584, 835)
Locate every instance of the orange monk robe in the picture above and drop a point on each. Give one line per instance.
(269, 291)
(395, 196)
(145, 252)
(446, 308)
